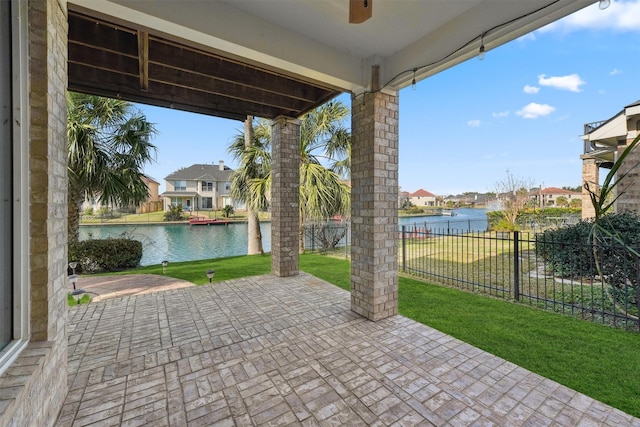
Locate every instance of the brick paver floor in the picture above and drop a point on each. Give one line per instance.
(288, 351)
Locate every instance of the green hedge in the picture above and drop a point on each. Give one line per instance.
(570, 252)
(98, 255)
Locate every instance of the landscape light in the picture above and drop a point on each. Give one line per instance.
(210, 274)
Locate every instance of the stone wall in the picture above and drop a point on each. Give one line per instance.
(374, 205)
(33, 388)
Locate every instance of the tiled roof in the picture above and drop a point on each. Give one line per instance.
(200, 172)
(422, 193)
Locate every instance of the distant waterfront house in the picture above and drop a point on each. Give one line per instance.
(423, 198)
(152, 204)
(551, 195)
(199, 187)
(603, 141)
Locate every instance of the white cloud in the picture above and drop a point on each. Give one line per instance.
(531, 89)
(533, 110)
(614, 72)
(620, 16)
(501, 114)
(474, 123)
(572, 82)
(528, 37)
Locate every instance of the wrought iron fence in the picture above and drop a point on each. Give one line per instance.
(328, 237)
(600, 283)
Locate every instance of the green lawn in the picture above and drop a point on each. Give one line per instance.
(599, 361)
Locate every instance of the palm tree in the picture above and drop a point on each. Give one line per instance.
(325, 146)
(251, 181)
(108, 145)
(325, 153)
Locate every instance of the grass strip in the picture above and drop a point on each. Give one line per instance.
(601, 362)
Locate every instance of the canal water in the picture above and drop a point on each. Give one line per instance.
(183, 242)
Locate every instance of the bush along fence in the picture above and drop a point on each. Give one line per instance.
(592, 281)
(333, 236)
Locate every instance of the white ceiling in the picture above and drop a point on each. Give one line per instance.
(313, 39)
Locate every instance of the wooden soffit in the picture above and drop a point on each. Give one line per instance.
(118, 59)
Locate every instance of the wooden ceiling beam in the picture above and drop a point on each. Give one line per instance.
(143, 59)
(128, 62)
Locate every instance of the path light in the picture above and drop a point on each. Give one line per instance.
(72, 266)
(74, 280)
(164, 266)
(210, 274)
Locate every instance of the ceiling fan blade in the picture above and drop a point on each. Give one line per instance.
(359, 11)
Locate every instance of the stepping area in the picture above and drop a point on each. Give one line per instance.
(277, 351)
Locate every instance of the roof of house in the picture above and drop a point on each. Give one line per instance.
(150, 179)
(422, 193)
(556, 190)
(201, 172)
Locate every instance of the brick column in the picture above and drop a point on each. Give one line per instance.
(590, 175)
(36, 382)
(374, 205)
(629, 201)
(285, 196)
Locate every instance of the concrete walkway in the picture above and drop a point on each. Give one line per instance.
(288, 351)
(105, 287)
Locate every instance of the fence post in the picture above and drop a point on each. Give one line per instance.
(469, 228)
(346, 240)
(404, 250)
(516, 266)
(638, 284)
(313, 240)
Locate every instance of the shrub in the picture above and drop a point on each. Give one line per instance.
(227, 211)
(175, 213)
(103, 211)
(105, 255)
(571, 252)
(88, 211)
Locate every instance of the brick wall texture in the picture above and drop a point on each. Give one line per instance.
(590, 175)
(35, 385)
(374, 205)
(285, 199)
(629, 201)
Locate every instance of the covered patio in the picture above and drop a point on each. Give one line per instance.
(277, 60)
(289, 351)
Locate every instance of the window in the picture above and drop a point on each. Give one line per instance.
(14, 167)
(6, 180)
(176, 201)
(207, 203)
(207, 186)
(227, 186)
(180, 185)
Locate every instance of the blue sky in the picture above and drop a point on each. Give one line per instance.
(520, 109)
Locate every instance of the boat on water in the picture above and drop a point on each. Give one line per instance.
(203, 220)
(448, 212)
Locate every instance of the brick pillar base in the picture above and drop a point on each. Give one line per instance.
(374, 205)
(285, 196)
(590, 175)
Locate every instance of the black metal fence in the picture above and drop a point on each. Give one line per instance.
(600, 283)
